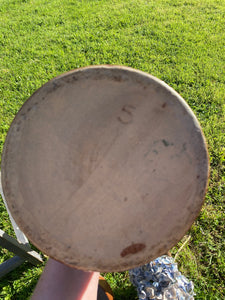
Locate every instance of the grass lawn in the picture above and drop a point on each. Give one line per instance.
(180, 42)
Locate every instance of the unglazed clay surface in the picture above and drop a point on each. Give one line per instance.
(105, 168)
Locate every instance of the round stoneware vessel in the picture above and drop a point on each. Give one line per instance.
(105, 168)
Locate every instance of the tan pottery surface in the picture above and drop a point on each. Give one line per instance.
(105, 168)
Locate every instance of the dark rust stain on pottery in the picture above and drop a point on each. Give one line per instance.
(132, 249)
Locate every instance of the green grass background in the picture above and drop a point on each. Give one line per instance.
(180, 42)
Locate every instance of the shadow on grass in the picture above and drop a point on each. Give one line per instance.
(20, 283)
(125, 293)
